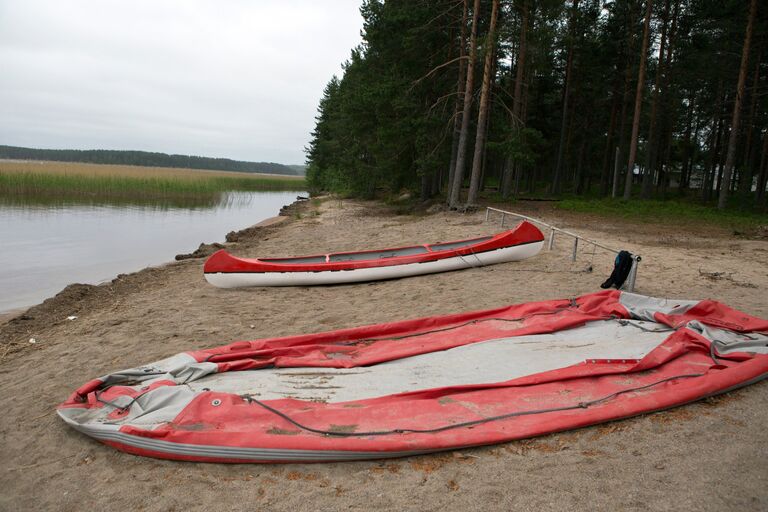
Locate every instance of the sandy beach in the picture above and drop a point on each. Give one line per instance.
(712, 455)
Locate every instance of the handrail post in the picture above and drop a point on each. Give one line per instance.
(551, 243)
(503, 218)
(575, 248)
(615, 174)
(487, 214)
(630, 286)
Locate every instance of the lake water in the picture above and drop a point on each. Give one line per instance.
(45, 247)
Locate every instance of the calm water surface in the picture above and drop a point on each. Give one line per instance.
(45, 247)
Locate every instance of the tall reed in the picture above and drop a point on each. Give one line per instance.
(121, 183)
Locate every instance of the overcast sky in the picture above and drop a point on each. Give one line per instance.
(232, 78)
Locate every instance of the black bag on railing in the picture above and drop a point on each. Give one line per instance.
(621, 268)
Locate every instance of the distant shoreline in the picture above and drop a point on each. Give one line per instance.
(147, 159)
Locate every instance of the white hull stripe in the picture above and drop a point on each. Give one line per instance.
(239, 453)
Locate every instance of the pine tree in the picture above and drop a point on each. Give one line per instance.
(638, 103)
(728, 170)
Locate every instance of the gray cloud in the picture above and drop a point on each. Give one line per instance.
(238, 79)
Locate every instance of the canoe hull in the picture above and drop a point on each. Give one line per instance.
(227, 271)
(242, 279)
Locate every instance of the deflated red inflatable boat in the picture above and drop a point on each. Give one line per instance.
(426, 385)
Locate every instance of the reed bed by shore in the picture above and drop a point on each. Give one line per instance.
(43, 179)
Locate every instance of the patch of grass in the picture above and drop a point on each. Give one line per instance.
(671, 211)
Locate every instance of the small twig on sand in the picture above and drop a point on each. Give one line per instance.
(5, 352)
(30, 466)
(41, 416)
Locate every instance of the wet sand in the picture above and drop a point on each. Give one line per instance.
(712, 455)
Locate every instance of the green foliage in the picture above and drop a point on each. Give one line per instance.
(387, 123)
(523, 145)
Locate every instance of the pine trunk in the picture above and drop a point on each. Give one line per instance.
(482, 116)
(720, 169)
(763, 177)
(457, 119)
(722, 202)
(461, 153)
(709, 179)
(684, 172)
(668, 111)
(745, 176)
(606, 168)
(665, 164)
(638, 103)
(578, 178)
(652, 149)
(566, 94)
(510, 167)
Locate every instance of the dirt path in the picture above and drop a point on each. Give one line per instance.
(711, 455)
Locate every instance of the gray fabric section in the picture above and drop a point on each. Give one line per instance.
(643, 307)
(181, 368)
(726, 341)
(74, 418)
(149, 410)
(192, 372)
(294, 261)
(362, 256)
(458, 245)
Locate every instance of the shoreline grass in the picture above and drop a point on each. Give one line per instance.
(50, 179)
(669, 211)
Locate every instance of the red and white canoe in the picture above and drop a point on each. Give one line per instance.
(426, 385)
(227, 271)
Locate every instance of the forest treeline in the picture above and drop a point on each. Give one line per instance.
(144, 159)
(630, 98)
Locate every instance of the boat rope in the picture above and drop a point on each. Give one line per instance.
(592, 260)
(121, 408)
(466, 424)
(479, 261)
(664, 328)
(471, 265)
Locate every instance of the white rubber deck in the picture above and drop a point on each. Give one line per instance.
(485, 362)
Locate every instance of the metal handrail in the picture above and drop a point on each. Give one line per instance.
(629, 285)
